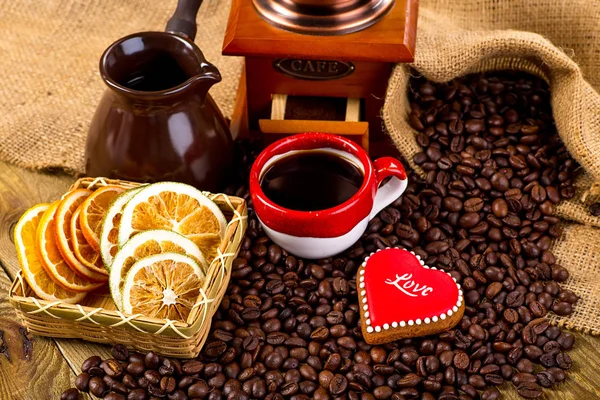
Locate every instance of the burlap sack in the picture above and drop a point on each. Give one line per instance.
(461, 37)
(49, 80)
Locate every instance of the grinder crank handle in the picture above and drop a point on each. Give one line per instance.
(183, 21)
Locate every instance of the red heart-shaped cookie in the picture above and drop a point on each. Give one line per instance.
(401, 297)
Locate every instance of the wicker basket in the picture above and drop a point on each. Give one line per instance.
(96, 319)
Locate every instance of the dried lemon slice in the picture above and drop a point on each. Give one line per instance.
(93, 211)
(176, 207)
(62, 225)
(34, 273)
(82, 249)
(163, 286)
(110, 227)
(49, 254)
(145, 244)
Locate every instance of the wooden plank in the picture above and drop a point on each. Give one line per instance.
(48, 374)
(54, 363)
(39, 372)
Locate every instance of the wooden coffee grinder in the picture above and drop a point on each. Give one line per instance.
(318, 65)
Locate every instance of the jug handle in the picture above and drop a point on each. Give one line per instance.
(183, 21)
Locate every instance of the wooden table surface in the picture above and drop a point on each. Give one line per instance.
(54, 363)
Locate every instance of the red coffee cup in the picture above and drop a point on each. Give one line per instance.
(324, 233)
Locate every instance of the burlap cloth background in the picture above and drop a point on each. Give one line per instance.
(50, 86)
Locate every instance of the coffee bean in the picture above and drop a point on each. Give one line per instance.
(452, 204)
(473, 205)
(120, 352)
(97, 387)
(199, 389)
(545, 379)
(529, 390)
(563, 360)
(82, 382)
(192, 367)
(490, 393)
(499, 182)
(559, 273)
(383, 392)
(70, 394)
(178, 395)
(112, 368)
(461, 360)
(114, 396)
(130, 382)
(558, 374)
(338, 385)
(522, 378)
(500, 208)
(93, 361)
(468, 220)
(137, 394)
(151, 361)
(562, 308)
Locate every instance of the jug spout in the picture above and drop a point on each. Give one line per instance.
(205, 79)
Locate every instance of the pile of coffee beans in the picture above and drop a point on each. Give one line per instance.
(288, 328)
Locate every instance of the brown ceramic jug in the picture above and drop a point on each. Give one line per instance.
(156, 121)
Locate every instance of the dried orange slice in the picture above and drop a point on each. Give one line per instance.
(62, 219)
(145, 244)
(177, 207)
(82, 249)
(93, 211)
(110, 227)
(51, 258)
(34, 273)
(163, 286)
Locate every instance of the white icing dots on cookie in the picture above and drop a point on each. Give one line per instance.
(394, 324)
(402, 324)
(411, 322)
(377, 328)
(418, 321)
(427, 320)
(386, 326)
(370, 329)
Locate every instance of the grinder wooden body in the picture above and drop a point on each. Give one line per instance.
(355, 67)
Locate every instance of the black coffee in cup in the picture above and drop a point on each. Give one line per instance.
(311, 180)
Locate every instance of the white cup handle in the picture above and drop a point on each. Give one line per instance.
(391, 190)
